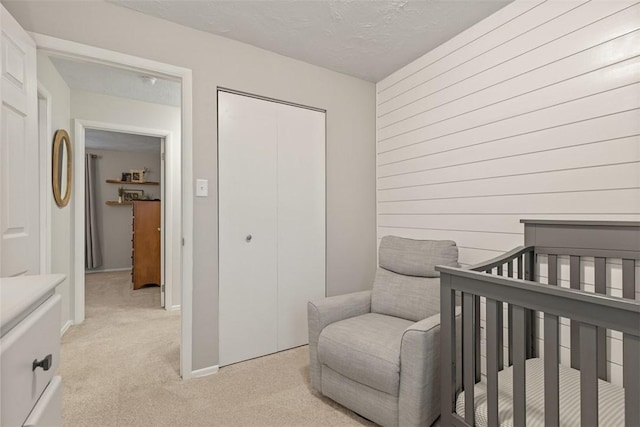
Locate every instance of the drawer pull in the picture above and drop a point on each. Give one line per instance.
(45, 363)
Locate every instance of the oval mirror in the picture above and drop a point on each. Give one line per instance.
(61, 167)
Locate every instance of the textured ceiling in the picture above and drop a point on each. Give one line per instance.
(369, 39)
(117, 141)
(97, 78)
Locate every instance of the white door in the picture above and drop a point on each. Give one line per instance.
(247, 228)
(271, 224)
(301, 219)
(19, 179)
(162, 226)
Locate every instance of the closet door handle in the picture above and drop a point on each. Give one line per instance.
(248, 238)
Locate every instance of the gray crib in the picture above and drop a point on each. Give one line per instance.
(532, 387)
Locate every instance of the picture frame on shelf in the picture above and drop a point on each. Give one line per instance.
(126, 177)
(137, 175)
(133, 195)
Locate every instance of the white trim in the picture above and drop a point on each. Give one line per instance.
(66, 327)
(78, 51)
(185, 221)
(44, 145)
(77, 201)
(175, 307)
(163, 230)
(198, 373)
(376, 168)
(78, 220)
(108, 270)
(186, 302)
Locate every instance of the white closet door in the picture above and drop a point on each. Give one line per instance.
(19, 179)
(301, 219)
(248, 207)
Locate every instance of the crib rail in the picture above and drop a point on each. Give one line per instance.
(591, 314)
(518, 255)
(520, 263)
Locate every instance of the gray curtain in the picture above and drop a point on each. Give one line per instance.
(93, 255)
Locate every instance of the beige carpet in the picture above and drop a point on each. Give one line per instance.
(120, 368)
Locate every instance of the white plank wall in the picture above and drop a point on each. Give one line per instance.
(532, 113)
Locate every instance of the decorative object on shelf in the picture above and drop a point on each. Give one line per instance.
(62, 162)
(137, 175)
(120, 194)
(131, 195)
(126, 177)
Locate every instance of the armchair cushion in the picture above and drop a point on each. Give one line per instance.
(416, 257)
(412, 298)
(365, 349)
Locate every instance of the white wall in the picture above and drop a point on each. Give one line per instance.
(532, 113)
(114, 222)
(216, 61)
(128, 112)
(61, 229)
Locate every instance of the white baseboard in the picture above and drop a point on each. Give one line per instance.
(175, 307)
(108, 270)
(205, 371)
(66, 327)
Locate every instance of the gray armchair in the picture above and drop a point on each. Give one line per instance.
(377, 352)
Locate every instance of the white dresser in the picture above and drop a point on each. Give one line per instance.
(30, 395)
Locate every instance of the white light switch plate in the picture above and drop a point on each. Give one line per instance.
(202, 187)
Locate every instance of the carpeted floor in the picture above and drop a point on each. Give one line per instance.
(120, 368)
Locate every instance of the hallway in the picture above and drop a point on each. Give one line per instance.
(126, 347)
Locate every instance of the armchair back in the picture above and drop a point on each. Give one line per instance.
(407, 284)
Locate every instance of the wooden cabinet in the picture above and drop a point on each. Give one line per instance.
(146, 243)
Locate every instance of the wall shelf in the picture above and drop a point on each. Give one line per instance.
(116, 203)
(115, 181)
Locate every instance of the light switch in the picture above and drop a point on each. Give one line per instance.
(202, 187)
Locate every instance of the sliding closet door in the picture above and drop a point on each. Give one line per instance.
(301, 219)
(247, 227)
(272, 224)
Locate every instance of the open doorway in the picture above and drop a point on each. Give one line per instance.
(107, 103)
(124, 231)
(123, 121)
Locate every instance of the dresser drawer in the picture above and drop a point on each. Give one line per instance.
(35, 337)
(48, 410)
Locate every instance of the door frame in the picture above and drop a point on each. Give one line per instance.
(44, 148)
(169, 207)
(183, 220)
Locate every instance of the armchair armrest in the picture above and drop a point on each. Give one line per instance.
(324, 312)
(419, 397)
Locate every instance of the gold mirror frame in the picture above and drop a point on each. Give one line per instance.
(60, 137)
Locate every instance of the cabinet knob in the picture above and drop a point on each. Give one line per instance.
(45, 363)
(249, 237)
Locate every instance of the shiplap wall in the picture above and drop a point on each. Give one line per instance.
(532, 113)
